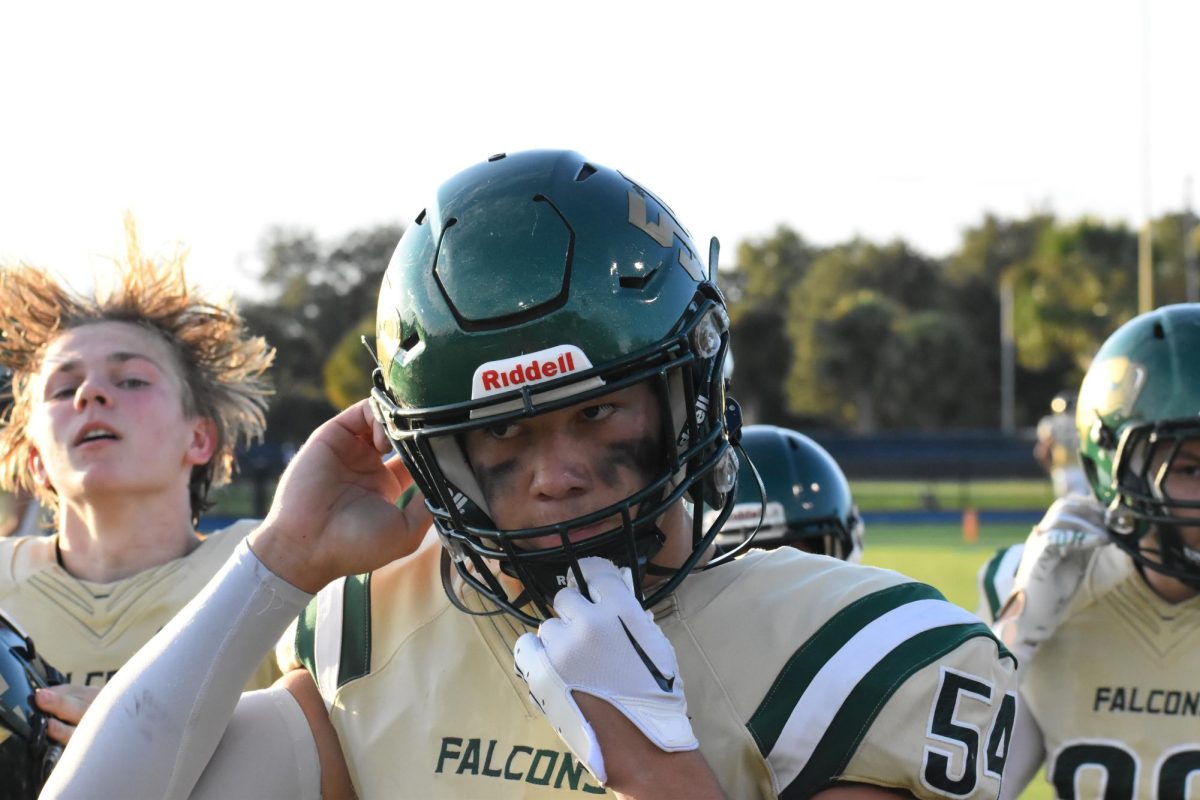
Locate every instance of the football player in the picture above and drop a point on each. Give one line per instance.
(803, 500)
(27, 754)
(1106, 592)
(550, 350)
(126, 409)
(1057, 447)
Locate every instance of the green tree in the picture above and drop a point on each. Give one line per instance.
(316, 296)
(849, 325)
(1075, 289)
(756, 288)
(974, 272)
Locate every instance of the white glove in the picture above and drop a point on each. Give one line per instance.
(610, 648)
(1052, 568)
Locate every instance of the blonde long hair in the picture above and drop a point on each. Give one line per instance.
(222, 365)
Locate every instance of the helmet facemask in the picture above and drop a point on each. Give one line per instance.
(694, 462)
(1148, 483)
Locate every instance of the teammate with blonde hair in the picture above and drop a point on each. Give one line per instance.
(127, 406)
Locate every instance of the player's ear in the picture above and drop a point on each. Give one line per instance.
(203, 443)
(38, 470)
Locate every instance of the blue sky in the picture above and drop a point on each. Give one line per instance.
(212, 122)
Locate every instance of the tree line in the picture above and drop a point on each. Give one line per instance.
(858, 336)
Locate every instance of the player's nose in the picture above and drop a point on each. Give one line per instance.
(559, 467)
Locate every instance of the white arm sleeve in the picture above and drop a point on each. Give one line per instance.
(1026, 752)
(267, 752)
(154, 727)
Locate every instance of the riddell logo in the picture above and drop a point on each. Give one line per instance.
(512, 373)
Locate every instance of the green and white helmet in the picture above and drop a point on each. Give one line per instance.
(1138, 405)
(804, 500)
(533, 282)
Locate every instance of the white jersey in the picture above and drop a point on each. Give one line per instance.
(800, 671)
(87, 630)
(1115, 689)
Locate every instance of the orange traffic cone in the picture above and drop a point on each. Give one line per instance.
(970, 525)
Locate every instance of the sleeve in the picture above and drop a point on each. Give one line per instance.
(267, 752)
(995, 580)
(901, 690)
(946, 730)
(171, 703)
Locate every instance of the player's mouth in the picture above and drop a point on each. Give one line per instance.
(93, 433)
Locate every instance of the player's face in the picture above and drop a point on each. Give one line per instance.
(108, 414)
(567, 463)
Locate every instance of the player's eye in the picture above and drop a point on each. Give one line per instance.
(502, 430)
(132, 383)
(598, 412)
(63, 392)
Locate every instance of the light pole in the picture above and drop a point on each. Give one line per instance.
(1008, 356)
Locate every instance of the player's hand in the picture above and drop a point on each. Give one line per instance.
(1052, 568)
(65, 703)
(334, 512)
(610, 648)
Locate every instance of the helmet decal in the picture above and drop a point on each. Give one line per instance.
(665, 231)
(495, 377)
(1111, 385)
(746, 516)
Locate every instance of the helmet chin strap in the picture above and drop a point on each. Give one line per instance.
(549, 575)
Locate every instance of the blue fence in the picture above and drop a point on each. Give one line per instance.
(959, 456)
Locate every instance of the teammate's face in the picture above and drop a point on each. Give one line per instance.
(567, 463)
(1180, 481)
(108, 414)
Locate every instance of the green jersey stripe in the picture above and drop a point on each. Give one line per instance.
(338, 649)
(769, 719)
(306, 638)
(989, 581)
(843, 736)
(998, 576)
(844, 670)
(355, 660)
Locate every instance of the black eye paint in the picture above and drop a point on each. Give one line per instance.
(496, 479)
(640, 455)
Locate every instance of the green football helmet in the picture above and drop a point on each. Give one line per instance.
(533, 282)
(1138, 406)
(804, 500)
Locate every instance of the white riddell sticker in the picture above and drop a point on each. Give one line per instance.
(745, 516)
(496, 377)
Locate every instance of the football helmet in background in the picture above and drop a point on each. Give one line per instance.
(533, 282)
(1137, 415)
(807, 502)
(26, 752)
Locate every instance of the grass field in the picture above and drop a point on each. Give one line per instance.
(991, 495)
(937, 555)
